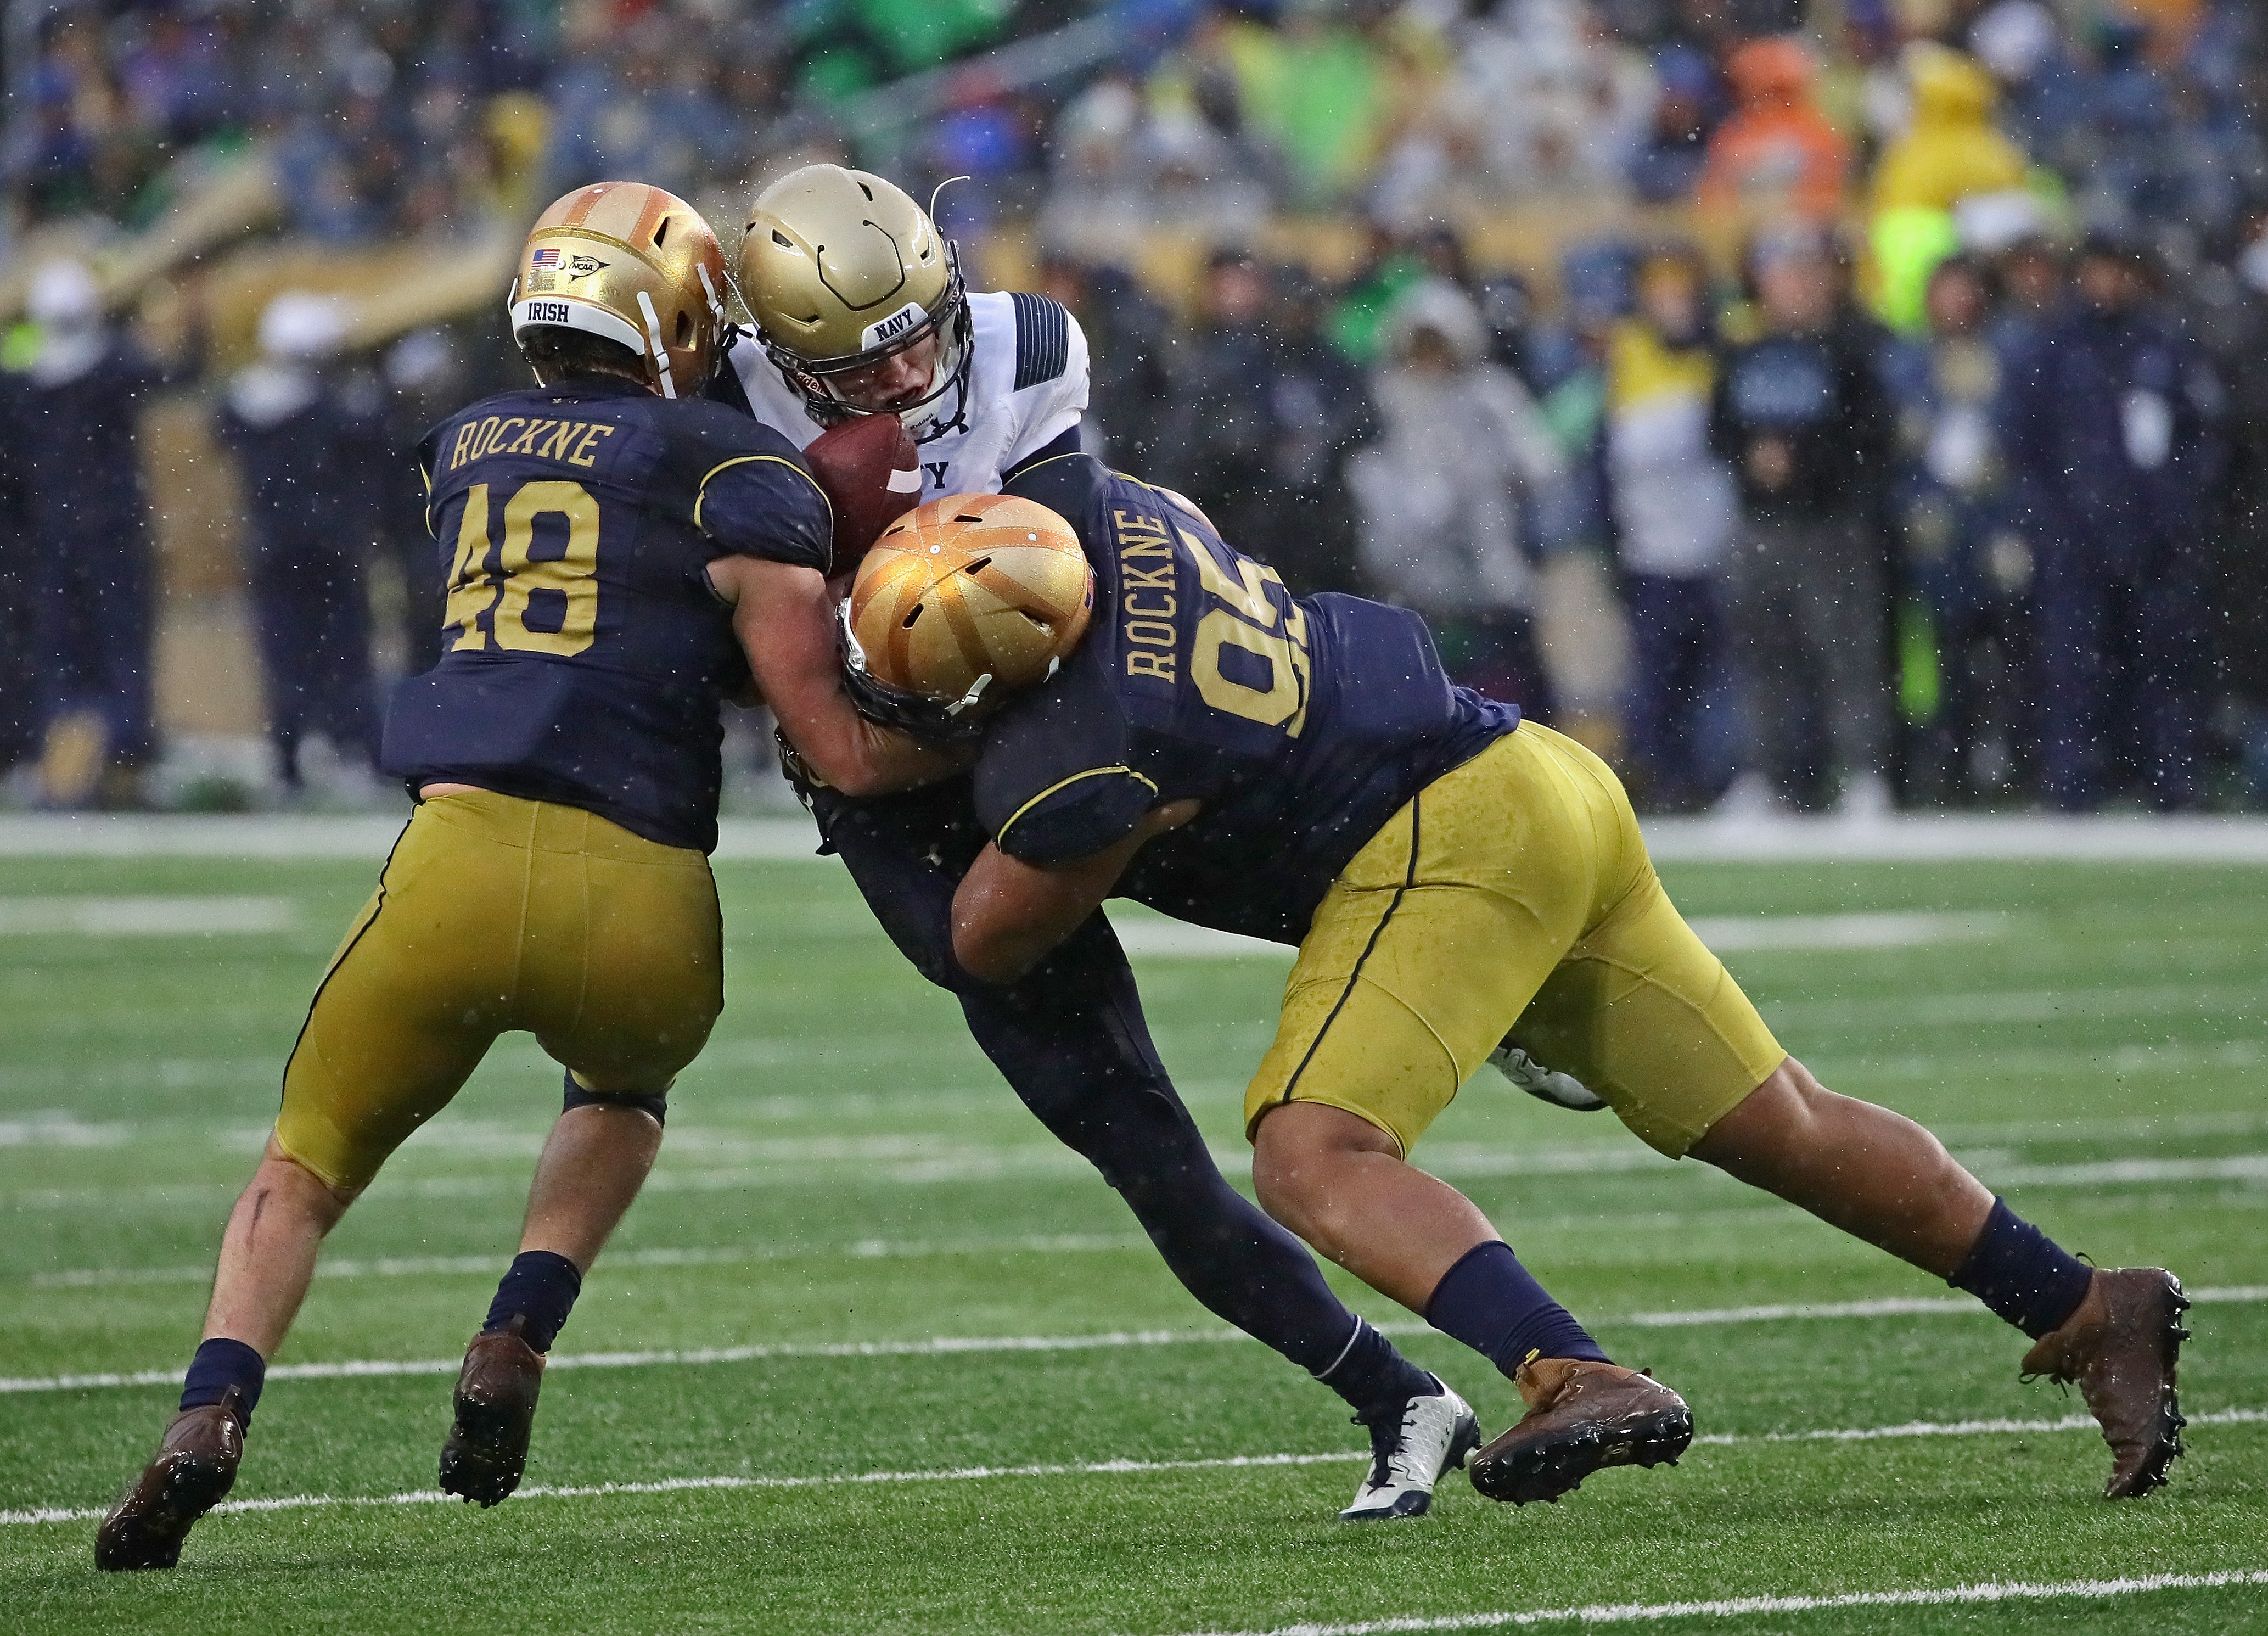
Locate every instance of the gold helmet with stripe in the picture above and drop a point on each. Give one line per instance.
(841, 271)
(960, 605)
(632, 264)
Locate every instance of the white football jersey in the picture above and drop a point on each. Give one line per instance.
(1027, 387)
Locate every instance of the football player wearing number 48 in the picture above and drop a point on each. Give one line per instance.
(621, 551)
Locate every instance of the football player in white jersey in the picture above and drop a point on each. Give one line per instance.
(860, 309)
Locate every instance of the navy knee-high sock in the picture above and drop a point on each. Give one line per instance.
(1495, 1306)
(539, 1287)
(2023, 1274)
(218, 1364)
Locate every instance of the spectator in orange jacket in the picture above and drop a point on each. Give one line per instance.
(1777, 151)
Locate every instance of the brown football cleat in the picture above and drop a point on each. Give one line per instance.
(2120, 1347)
(1581, 1415)
(194, 1469)
(487, 1449)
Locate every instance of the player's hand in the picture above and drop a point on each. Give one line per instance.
(870, 473)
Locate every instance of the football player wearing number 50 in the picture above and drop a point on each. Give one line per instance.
(621, 551)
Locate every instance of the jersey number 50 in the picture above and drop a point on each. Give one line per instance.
(559, 594)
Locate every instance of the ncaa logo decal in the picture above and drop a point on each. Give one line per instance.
(888, 330)
(550, 258)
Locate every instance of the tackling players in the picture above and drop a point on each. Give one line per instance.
(604, 534)
(862, 314)
(1458, 882)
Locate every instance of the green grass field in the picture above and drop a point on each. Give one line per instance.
(843, 1169)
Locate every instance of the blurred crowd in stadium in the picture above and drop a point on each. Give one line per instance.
(1821, 406)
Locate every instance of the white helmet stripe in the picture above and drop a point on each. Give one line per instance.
(568, 312)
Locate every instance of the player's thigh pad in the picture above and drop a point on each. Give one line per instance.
(415, 996)
(1439, 932)
(497, 913)
(623, 968)
(1641, 1011)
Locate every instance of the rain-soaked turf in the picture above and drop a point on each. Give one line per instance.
(842, 1167)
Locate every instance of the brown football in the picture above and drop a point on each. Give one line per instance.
(872, 473)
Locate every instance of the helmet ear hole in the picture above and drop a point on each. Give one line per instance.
(684, 328)
(660, 231)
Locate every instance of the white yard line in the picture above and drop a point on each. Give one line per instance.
(1146, 935)
(1906, 839)
(1951, 838)
(890, 1161)
(2006, 1006)
(1734, 1606)
(420, 1266)
(143, 917)
(1100, 1468)
(955, 1345)
(1732, 934)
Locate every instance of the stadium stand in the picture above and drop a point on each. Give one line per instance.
(1438, 200)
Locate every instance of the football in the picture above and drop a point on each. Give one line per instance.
(872, 476)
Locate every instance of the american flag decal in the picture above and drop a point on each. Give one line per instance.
(546, 258)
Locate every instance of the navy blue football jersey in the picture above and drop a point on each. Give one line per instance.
(1302, 725)
(583, 656)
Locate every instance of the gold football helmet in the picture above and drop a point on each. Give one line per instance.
(841, 270)
(635, 265)
(960, 605)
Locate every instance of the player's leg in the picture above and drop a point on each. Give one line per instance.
(1875, 1174)
(399, 1021)
(1881, 1177)
(1646, 1016)
(622, 978)
(1070, 1040)
(1443, 925)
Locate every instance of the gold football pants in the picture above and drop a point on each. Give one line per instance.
(495, 913)
(1513, 895)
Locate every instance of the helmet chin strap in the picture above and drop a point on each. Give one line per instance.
(976, 692)
(660, 353)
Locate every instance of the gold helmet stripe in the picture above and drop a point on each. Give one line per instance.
(579, 212)
(657, 205)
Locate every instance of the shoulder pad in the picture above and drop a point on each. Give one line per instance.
(1043, 339)
(709, 424)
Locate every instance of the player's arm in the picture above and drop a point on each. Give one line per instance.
(1008, 914)
(784, 616)
(776, 532)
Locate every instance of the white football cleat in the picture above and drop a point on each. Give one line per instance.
(1409, 1455)
(1561, 1090)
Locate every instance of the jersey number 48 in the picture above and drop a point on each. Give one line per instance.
(528, 604)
